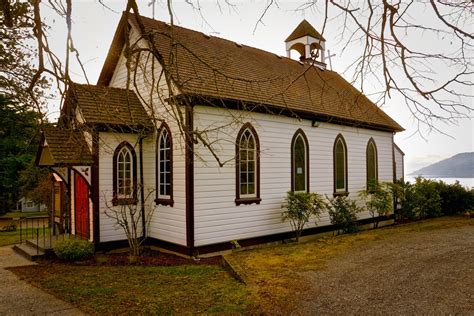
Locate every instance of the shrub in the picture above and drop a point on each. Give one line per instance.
(455, 199)
(428, 198)
(427, 201)
(404, 196)
(378, 200)
(299, 207)
(343, 214)
(73, 249)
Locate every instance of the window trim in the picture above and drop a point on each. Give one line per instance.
(298, 133)
(160, 200)
(124, 201)
(344, 192)
(247, 200)
(376, 161)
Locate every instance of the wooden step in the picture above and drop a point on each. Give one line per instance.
(29, 252)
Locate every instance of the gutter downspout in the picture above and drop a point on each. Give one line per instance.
(142, 193)
(189, 171)
(394, 179)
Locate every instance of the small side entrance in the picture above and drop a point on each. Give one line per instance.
(81, 206)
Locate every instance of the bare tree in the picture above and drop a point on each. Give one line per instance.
(434, 84)
(134, 218)
(382, 31)
(435, 81)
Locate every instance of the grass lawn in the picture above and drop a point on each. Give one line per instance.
(24, 214)
(273, 276)
(191, 289)
(13, 237)
(273, 273)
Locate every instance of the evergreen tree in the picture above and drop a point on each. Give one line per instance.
(18, 144)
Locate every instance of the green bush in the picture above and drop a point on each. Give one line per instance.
(404, 196)
(429, 198)
(378, 200)
(299, 207)
(343, 214)
(73, 249)
(455, 199)
(427, 201)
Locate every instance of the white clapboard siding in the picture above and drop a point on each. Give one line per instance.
(167, 223)
(399, 167)
(108, 142)
(218, 219)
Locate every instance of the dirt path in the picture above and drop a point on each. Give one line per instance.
(428, 272)
(19, 298)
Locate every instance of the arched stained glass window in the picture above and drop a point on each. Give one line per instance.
(124, 174)
(340, 165)
(247, 163)
(372, 164)
(247, 166)
(164, 166)
(299, 162)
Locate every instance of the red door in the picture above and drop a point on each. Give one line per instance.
(81, 203)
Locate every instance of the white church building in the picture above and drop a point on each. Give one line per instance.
(213, 144)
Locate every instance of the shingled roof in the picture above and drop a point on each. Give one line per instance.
(213, 67)
(109, 106)
(304, 29)
(65, 147)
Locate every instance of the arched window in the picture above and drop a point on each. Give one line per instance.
(340, 166)
(164, 166)
(372, 164)
(125, 175)
(299, 162)
(247, 153)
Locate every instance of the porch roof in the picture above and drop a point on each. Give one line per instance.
(60, 147)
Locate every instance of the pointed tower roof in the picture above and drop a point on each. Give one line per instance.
(304, 29)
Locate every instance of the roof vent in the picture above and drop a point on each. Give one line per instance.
(301, 63)
(206, 35)
(279, 56)
(238, 45)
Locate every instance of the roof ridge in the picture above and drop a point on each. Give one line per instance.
(219, 38)
(101, 86)
(218, 67)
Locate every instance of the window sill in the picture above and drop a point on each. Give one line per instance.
(124, 201)
(340, 193)
(248, 201)
(166, 202)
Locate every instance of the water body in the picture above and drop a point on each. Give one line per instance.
(466, 182)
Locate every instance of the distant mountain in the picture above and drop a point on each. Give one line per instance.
(458, 166)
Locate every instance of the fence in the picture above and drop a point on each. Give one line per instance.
(42, 233)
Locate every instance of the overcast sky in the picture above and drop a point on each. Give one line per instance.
(94, 27)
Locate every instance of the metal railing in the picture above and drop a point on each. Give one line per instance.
(41, 232)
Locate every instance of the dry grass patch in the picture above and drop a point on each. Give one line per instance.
(13, 237)
(135, 290)
(275, 273)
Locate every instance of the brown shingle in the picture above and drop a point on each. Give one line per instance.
(106, 105)
(217, 68)
(67, 147)
(303, 29)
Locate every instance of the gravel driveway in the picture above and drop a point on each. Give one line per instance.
(428, 272)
